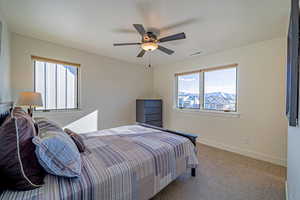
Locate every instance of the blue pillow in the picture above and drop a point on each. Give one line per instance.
(58, 154)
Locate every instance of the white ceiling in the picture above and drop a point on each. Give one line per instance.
(94, 25)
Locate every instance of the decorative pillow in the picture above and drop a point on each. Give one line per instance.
(46, 125)
(19, 167)
(77, 140)
(58, 154)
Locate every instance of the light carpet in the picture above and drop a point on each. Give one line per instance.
(223, 175)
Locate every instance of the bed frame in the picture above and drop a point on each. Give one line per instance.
(5, 109)
(191, 137)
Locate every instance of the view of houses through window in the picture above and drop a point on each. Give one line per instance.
(208, 90)
(189, 91)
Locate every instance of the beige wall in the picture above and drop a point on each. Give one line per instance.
(260, 130)
(109, 87)
(5, 64)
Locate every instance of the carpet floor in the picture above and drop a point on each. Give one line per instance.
(223, 175)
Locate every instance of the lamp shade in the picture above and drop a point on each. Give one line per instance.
(32, 99)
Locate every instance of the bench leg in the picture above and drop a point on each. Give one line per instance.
(193, 172)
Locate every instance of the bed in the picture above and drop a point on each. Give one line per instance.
(127, 162)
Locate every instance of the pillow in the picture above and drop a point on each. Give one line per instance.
(46, 125)
(19, 167)
(58, 154)
(77, 140)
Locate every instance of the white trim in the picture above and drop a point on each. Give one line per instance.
(208, 112)
(62, 112)
(245, 152)
(201, 90)
(286, 191)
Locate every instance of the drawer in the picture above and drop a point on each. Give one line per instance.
(153, 110)
(153, 117)
(152, 103)
(155, 123)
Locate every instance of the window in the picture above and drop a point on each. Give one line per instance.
(57, 82)
(188, 91)
(220, 89)
(208, 89)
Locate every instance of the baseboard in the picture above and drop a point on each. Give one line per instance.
(252, 154)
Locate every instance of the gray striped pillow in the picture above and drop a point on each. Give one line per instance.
(58, 154)
(46, 125)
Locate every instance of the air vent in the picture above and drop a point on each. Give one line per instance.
(196, 53)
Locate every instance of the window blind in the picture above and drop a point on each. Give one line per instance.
(49, 60)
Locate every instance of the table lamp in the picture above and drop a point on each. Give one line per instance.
(31, 100)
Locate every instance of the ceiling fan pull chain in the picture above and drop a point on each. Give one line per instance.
(149, 59)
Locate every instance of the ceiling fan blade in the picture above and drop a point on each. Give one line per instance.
(125, 44)
(124, 30)
(178, 36)
(141, 54)
(179, 24)
(140, 29)
(165, 50)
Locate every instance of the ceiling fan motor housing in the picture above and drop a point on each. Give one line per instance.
(149, 37)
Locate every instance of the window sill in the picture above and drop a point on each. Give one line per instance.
(56, 112)
(209, 112)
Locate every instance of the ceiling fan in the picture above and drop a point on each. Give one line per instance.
(150, 41)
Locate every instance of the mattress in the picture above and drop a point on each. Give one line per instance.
(124, 163)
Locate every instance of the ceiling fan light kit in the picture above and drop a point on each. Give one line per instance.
(149, 46)
(150, 42)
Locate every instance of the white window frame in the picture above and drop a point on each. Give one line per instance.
(65, 63)
(201, 91)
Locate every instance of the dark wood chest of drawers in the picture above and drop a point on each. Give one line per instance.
(149, 111)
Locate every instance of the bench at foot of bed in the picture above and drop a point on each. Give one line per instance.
(191, 137)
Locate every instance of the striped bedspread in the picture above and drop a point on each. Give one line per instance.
(124, 163)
